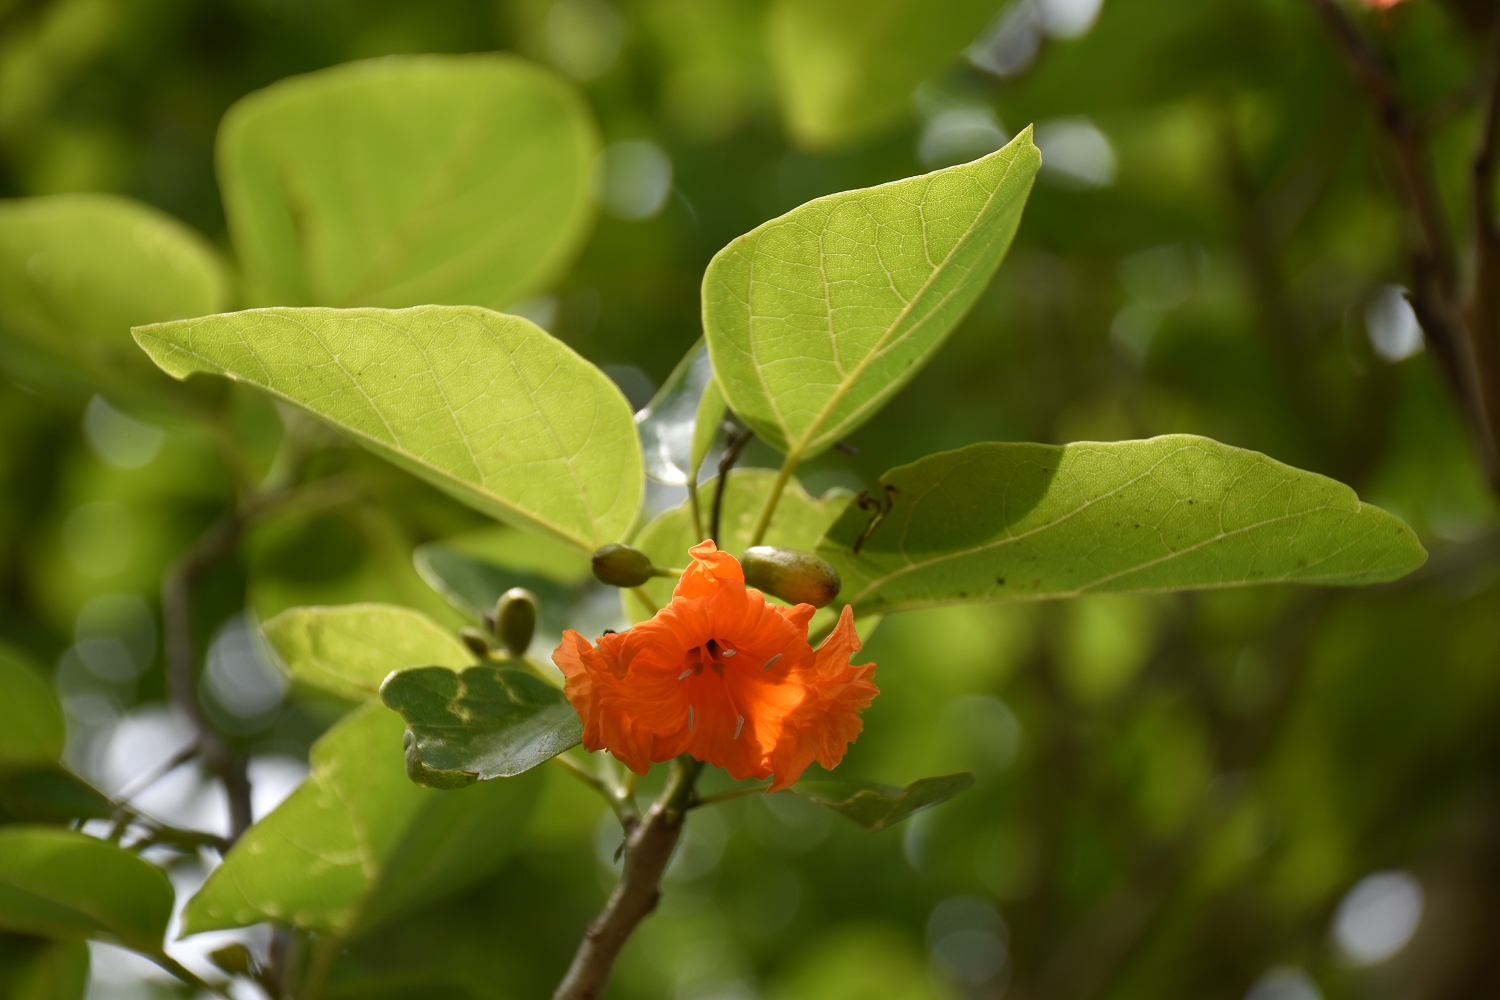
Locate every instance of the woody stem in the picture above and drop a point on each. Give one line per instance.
(648, 849)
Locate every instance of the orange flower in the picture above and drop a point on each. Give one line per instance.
(722, 675)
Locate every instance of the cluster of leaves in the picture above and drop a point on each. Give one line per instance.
(812, 322)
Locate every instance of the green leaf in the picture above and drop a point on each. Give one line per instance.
(847, 68)
(800, 522)
(1028, 521)
(472, 571)
(77, 271)
(31, 720)
(349, 650)
(874, 806)
(39, 969)
(61, 884)
(50, 793)
(480, 723)
(488, 407)
(815, 319)
(408, 180)
(357, 843)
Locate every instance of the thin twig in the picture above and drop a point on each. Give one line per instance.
(1466, 350)
(620, 799)
(729, 796)
(177, 969)
(737, 440)
(644, 596)
(151, 776)
(648, 850)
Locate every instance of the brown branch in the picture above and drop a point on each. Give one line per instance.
(177, 589)
(736, 442)
(1482, 314)
(1467, 352)
(648, 849)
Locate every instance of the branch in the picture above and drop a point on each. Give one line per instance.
(736, 443)
(648, 849)
(1482, 316)
(1466, 350)
(177, 587)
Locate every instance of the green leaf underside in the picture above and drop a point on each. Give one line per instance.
(408, 180)
(358, 842)
(38, 969)
(488, 407)
(1029, 521)
(49, 793)
(874, 806)
(349, 650)
(62, 884)
(799, 522)
(77, 271)
(818, 317)
(479, 723)
(31, 720)
(846, 68)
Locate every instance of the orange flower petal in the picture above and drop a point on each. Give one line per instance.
(722, 675)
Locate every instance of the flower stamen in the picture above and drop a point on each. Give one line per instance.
(690, 718)
(738, 726)
(771, 662)
(685, 674)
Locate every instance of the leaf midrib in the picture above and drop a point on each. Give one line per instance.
(802, 444)
(214, 366)
(912, 567)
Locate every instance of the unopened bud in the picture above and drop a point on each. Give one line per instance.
(621, 566)
(791, 574)
(475, 640)
(515, 620)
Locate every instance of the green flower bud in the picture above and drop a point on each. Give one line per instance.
(478, 644)
(621, 566)
(791, 574)
(515, 620)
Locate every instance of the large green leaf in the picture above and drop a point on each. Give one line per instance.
(875, 806)
(61, 884)
(358, 842)
(483, 722)
(408, 180)
(489, 407)
(847, 68)
(815, 319)
(799, 523)
(1028, 521)
(39, 969)
(31, 721)
(350, 650)
(77, 271)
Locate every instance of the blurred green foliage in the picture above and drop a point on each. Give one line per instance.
(1173, 793)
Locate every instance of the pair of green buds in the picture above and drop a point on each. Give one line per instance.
(513, 623)
(793, 575)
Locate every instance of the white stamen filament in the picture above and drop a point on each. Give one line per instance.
(738, 726)
(685, 674)
(772, 662)
(728, 652)
(690, 718)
